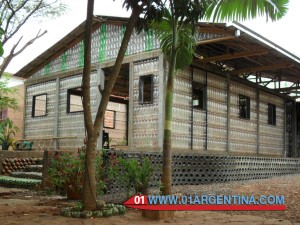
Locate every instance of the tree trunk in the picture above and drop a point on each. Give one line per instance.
(166, 178)
(89, 185)
(119, 60)
(89, 195)
(93, 129)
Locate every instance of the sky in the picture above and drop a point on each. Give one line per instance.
(283, 32)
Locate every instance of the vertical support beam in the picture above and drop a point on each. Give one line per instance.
(161, 101)
(294, 129)
(56, 116)
(228, 125)
(206, 113)
(284, 153)
(192, 108)
(279, 81)
(24, 110)
(257, 120)
(130, 108)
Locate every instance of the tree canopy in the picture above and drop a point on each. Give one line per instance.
(14, 14)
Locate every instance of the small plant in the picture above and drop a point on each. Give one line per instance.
(135, 175)
(7, 132)
(66, 173)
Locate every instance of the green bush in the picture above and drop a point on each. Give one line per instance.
(133, 174)
(66, 171)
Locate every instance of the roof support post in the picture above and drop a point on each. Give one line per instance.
(130, 108)
(228, 94)
(161, 100)
(56, 120)
(257, 120)
(24, 111)
(284, 153)
(294, 129)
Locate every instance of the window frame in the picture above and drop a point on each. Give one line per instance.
(272, 119)
(141, 89)
(33, 114)
(202, 88)
(248, 107)
(69, 93)
(114, 120)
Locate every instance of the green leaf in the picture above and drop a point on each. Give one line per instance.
(229, 10)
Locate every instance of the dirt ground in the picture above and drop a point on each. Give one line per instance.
(32, 208)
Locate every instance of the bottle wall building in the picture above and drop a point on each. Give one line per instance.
(237, 97)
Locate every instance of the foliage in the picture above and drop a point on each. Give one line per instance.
(225, 10)
(7, 132)
(66, 171)
(15, 13)
(178, 24)
(6, 101)
(133, 174)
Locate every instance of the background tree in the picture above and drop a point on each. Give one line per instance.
(138, 7)
(178, 45)
(6, 99)
(15, 13)
(7, 128)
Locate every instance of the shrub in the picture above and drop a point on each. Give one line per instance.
(66, 172)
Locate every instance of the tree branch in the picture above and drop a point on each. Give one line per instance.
(13, 12)
(30, 42)
(21, 23)
(13, 54)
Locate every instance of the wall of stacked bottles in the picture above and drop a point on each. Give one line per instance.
(217, 112)
(289, 128)
(72, 124)
(106, 41)
(271, 136)
(192, 169)
(145, 116)
(182, 100)
(42, 126)
(199, 116)
(243, 132)
(117, 132)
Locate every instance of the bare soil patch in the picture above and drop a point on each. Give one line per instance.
(30, 208)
